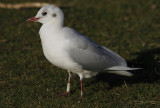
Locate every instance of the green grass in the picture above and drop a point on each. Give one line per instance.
(129, 27)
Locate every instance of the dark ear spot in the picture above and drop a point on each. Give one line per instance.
(54, 15)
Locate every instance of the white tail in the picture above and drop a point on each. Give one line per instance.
(122, 68)
(124, 73)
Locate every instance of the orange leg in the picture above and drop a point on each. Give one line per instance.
(81, 89)
(69, 82)
(68, 86)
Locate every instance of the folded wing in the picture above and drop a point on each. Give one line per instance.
(91, 56)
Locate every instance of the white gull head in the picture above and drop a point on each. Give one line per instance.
(49, 14)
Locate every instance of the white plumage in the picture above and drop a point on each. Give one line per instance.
(72, 51)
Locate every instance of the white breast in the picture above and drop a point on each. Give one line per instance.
(54, 48)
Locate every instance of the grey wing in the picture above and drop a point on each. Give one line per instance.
(114, 56)
(93, 57)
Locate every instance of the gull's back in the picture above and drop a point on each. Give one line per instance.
(90, 55)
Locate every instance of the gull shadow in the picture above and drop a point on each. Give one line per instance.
(149, 60)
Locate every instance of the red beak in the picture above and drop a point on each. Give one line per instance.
(32, 19)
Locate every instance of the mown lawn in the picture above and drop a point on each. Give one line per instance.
(129, 27)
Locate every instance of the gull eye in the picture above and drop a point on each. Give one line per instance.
(44, 13)
(54, 15)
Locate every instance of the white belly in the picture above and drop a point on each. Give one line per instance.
(55, 50)
(55, 56)
(59, 57)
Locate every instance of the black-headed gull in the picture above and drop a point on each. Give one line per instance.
(67, 49)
